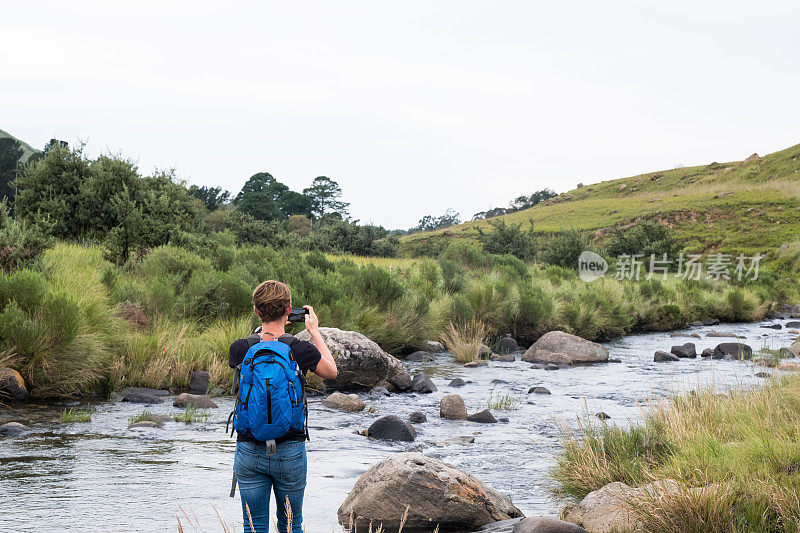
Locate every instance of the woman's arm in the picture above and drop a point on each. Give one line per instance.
(326, 368)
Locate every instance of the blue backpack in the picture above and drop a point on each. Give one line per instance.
(271, 400)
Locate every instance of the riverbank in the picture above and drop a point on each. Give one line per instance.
(75, 324)
(137, 477)
(715, 462)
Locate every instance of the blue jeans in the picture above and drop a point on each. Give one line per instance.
(284, 473)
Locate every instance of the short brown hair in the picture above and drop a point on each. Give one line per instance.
(271, 299)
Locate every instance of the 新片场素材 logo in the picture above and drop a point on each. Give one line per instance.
(591, 266)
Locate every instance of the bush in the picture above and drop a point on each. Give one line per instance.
(564, 248)
(508, 239)
(21, 243)
(379, 286)
(645, 238)
(453, 275)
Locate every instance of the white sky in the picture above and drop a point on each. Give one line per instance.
(412, 106)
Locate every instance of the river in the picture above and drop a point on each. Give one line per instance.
(102, 476)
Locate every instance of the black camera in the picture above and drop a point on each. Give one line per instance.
(298, 314)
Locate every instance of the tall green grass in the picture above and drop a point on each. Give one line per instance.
(744, 445)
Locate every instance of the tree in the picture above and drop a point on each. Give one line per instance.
(260, 197)
(212, 197)
(564, 248)
(325, 196)
(430, 223)
(10, 154)
(295, 203)
(128, 232)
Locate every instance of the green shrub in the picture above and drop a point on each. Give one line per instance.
(564, 248)
(508, 239)
(379, 286)
(646, 238)
(453, 275)
(26, 287)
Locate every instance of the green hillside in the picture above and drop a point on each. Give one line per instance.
(743, 206)
(27, 149)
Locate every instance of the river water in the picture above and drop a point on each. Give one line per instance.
(102, 476)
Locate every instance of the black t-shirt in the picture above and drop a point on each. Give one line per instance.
(305, 353)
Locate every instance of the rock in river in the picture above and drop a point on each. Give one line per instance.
(507, 358)
(433, 347)
(137, 397)
(451, 407)
(344, 402)
(457, 382)
(422, 383)
(483, 417)
(401, 382)
(417, 417)
(686, 350)
(391, 428)
(545, 524)
(12, 386)
(661, 357)
(733, 350)
(538, 390)
(199, 401)
(506, 345)
(361, 362)
(198, 381)
(13, 429)
(559, 347)
(436, 494)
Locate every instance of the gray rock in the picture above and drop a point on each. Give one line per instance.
(506, 345)
(344, 402)
(793, 324)
(198, 381)
(144, 424)
(197, 400)
(13, 429)
(560, 347)
(451, 407)
(786, 353)
(422, 383)
(484, 351)
(462, 440)
(687, 350)
(133, 397)
(538, 366)
(12, 386)
(482, 417)
(379, 392)
(661, 357)
(391, 428)
(457, 382)
(763, 375)
(603, 416)
(710, 321)
(437, 493)
(552, 366)
(734, 350)
(420, 356)
(417, 417)
(538, 390)
(361, 362)
(401, 382)
(771, 326)
(697, 324)
(544, 524)
(507, 358)
(709, 353)
(433, 347)
(614, 360)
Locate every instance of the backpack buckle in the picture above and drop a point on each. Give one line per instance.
(271, 447)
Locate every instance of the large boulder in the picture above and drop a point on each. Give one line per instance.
(451, 407)
(390, 427)
(361, 362)
(686, 350)
(401, 382)
(344, 402)
(137, 397)
(195, 400)
(12, 386)
(795, 348)
(664, 357)
(506, 345)
(733, 350)
(558, 347)
(436, 494)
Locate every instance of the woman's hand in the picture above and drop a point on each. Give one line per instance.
(312, 321)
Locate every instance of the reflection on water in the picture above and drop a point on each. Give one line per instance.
(102, 476)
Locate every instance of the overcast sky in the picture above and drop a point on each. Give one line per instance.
(413, 107)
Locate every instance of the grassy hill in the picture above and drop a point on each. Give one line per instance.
(742, 206)
(27, 149)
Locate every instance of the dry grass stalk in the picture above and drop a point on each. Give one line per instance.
(464, 341)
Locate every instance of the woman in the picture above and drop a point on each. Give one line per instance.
(284, 472)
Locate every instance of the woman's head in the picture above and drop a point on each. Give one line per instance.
(272, 300)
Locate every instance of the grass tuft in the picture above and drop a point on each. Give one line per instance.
(191, 415)
(72, 415)
(465, 341)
